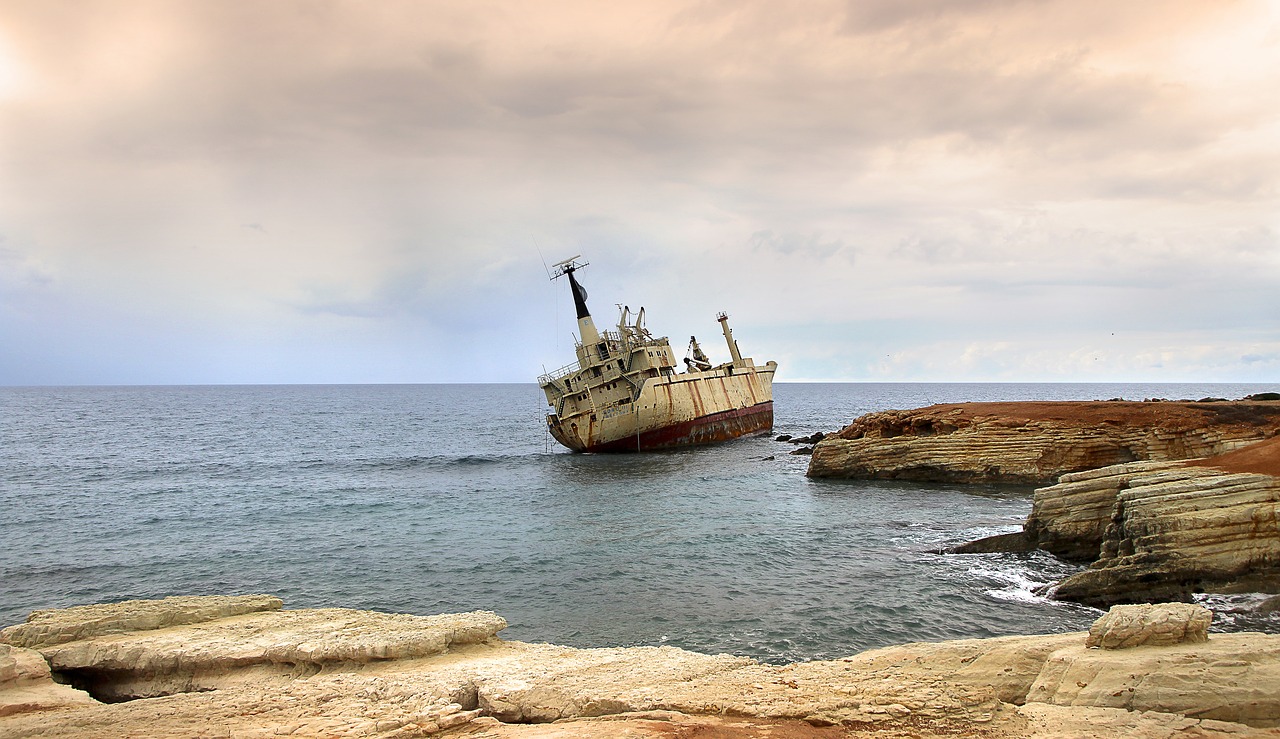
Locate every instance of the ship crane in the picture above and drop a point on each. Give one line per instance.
(698, 360)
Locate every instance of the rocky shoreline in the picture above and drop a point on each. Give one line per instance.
(243, 667)
(1163, 499)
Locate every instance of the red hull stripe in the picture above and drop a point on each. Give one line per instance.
(705, 430)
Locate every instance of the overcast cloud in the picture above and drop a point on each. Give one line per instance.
(206, 191)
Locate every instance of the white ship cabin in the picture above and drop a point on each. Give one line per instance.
(610, 370)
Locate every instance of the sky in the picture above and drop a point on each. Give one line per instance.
(333, 191)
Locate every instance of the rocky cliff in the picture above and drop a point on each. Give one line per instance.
(1036, 442)
(1157, 531)
(338, 673)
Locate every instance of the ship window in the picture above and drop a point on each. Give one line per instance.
(596, 370)
(603, 349)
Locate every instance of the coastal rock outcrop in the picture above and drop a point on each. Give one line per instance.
(1035, 442)
(1070, 519)
(370, 675)
(1164, 531)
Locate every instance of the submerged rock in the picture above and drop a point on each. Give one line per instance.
(1015, 542)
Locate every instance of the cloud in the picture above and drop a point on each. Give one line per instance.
(998, 167)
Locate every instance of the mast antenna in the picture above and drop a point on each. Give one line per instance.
(544, 259)
(567, 266)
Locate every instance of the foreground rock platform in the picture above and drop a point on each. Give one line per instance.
(340, 673)
(1035, 442)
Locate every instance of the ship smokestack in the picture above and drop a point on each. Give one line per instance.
(586, 327)
(579, 295)
(728, 338)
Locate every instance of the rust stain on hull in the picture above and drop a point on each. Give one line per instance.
(705, 430)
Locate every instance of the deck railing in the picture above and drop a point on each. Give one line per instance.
(554, 375)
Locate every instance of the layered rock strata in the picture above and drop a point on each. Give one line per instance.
(207, 654)
(59, 625)
(1156, 531)
(1174, 532)
(371, 677)
(1035, 442)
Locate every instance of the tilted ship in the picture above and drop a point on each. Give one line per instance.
(624, 393)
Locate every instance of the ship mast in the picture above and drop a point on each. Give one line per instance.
(723, 318)
(586, 326)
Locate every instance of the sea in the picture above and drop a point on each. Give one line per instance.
(429, 499)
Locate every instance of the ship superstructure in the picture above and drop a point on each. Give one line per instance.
(624, 393)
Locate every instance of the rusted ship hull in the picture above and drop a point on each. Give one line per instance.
(710, 429)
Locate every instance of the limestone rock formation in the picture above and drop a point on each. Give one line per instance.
(371, 674)
(1035, 442)
(1124, 627)
(1070, 519)
(290, 644)
(1240, 670)
(59, 625)
(26, 684)
(1161, 532)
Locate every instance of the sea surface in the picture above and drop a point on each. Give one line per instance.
(442, 498)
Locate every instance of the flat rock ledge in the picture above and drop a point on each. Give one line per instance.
(340, 673)
(206, 654)
(59, 625)
(1035, 442)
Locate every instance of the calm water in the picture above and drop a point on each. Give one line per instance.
(437, 498)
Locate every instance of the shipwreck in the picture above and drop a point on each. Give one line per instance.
(625, 394)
